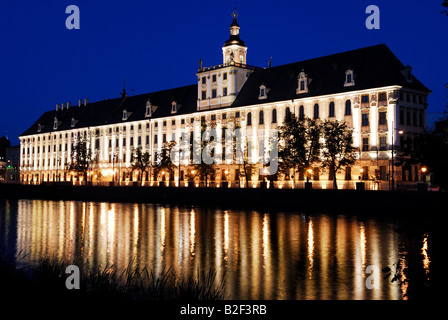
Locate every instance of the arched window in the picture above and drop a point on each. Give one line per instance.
(331, 110)
(301, 113)
(348, 108)
(249, 119)
(287, 113)
(316, 111)
(261, 117)
(274, 116)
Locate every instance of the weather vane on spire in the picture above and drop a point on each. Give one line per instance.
(234, 14)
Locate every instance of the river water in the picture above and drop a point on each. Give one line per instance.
(264, 254)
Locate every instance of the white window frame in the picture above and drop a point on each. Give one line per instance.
(302, 77)
(351, 83)
(148, 112)
(263, 94)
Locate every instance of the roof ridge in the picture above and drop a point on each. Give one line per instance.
(332, 55)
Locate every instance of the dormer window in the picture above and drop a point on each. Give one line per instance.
(148, 112)
(125, 115)
(303, 83)
(39, 127)
(73, 123)
(349, 78)
(55, 123)
(263, 92)
(408, 73)
(174, 107)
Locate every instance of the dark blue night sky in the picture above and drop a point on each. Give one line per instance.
(156, 45)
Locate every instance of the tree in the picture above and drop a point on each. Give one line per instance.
(240, 148)
(164, 162)
(300, 143)
(430, 150)
(140, 162)
(81, 158)
(445, 6)
(243, 159)
(205, 169)
(337, 148)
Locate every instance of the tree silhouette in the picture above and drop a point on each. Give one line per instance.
(203, 169)
(337, 149)
(81, 158)
(140, 162)
(300, 143)
(164, 163)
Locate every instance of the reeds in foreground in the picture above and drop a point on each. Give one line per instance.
(46, 279)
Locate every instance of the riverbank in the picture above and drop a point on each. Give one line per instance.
(299, 199)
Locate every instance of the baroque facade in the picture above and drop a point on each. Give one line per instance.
(369, 88)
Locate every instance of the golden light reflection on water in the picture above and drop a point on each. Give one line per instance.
(192, 231)
(425, 254)
(310, 248)
(264, 255)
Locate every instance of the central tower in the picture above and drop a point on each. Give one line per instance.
(234, 49)
(219, 85)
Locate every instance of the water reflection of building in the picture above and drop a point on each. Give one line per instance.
(264, 256)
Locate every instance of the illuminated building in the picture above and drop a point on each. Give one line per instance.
(369, 88)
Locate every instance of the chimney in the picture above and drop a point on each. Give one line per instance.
(62, 106)
(69, 104)
(86, 101)
(79, 102)
(57, 107)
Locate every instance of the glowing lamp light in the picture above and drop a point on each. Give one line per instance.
(424, 169)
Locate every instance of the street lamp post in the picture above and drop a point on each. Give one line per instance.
(180, 140)
(309, 172)
(424, 170)
(58, 161)
(113, 165)
(400, 132)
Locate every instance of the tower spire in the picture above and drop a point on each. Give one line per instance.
(123, 94)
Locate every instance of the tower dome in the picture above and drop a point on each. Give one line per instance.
(234, 33)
